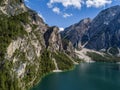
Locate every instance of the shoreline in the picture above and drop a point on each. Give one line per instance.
(57, 71)
(60, 71)
(52, 72)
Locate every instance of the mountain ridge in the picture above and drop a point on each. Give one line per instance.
(75, 32)
(31, 49)
(98, 29)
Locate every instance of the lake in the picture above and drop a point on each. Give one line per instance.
(93, 76)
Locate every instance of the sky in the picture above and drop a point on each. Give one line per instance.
(63, 13)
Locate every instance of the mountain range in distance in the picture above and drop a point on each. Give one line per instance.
(30, 49)
(100, 34)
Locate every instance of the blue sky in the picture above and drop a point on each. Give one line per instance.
(63, 13)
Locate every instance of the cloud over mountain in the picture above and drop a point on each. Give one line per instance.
(78, 3)
(97, 3)
(67, 3)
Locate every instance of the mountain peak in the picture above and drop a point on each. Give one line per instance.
(114, 7)
(75, 32)
(109, 12)
(104, 30)
(101, 33)
(86, 20)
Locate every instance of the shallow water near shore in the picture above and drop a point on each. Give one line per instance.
(86, 76)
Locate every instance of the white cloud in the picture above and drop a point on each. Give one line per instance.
(78, 3)
(67, 3)
(53, 4)
(56, 10)
(61, 29)
(49, 5)
(65, 15)
(97, 3)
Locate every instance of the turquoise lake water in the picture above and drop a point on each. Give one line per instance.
(94, 76)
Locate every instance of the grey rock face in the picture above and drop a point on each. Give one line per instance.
(104, 30)
(12, 7)
(101, 33)
(53, 39)
(75, 32)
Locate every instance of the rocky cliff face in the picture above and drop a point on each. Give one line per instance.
(52, 39)
(101, 34)
(104, 31)
(29, 48)
(75, 32)
(12, 7)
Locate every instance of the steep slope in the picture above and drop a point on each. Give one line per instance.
(101, 34)
(12, 7)
(29, 48)
(104, 31)
(75, 32)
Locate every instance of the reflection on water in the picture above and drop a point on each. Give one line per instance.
(94, 76)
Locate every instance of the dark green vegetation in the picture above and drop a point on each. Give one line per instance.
(10, 29)
(8, 82)
(45, 66)
(106, 58)
(1, 1)
(78, 60)
(63, 61)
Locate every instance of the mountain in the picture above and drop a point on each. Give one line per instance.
(102, 33)
(104, 30)
(75, 32)
(29, 48)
